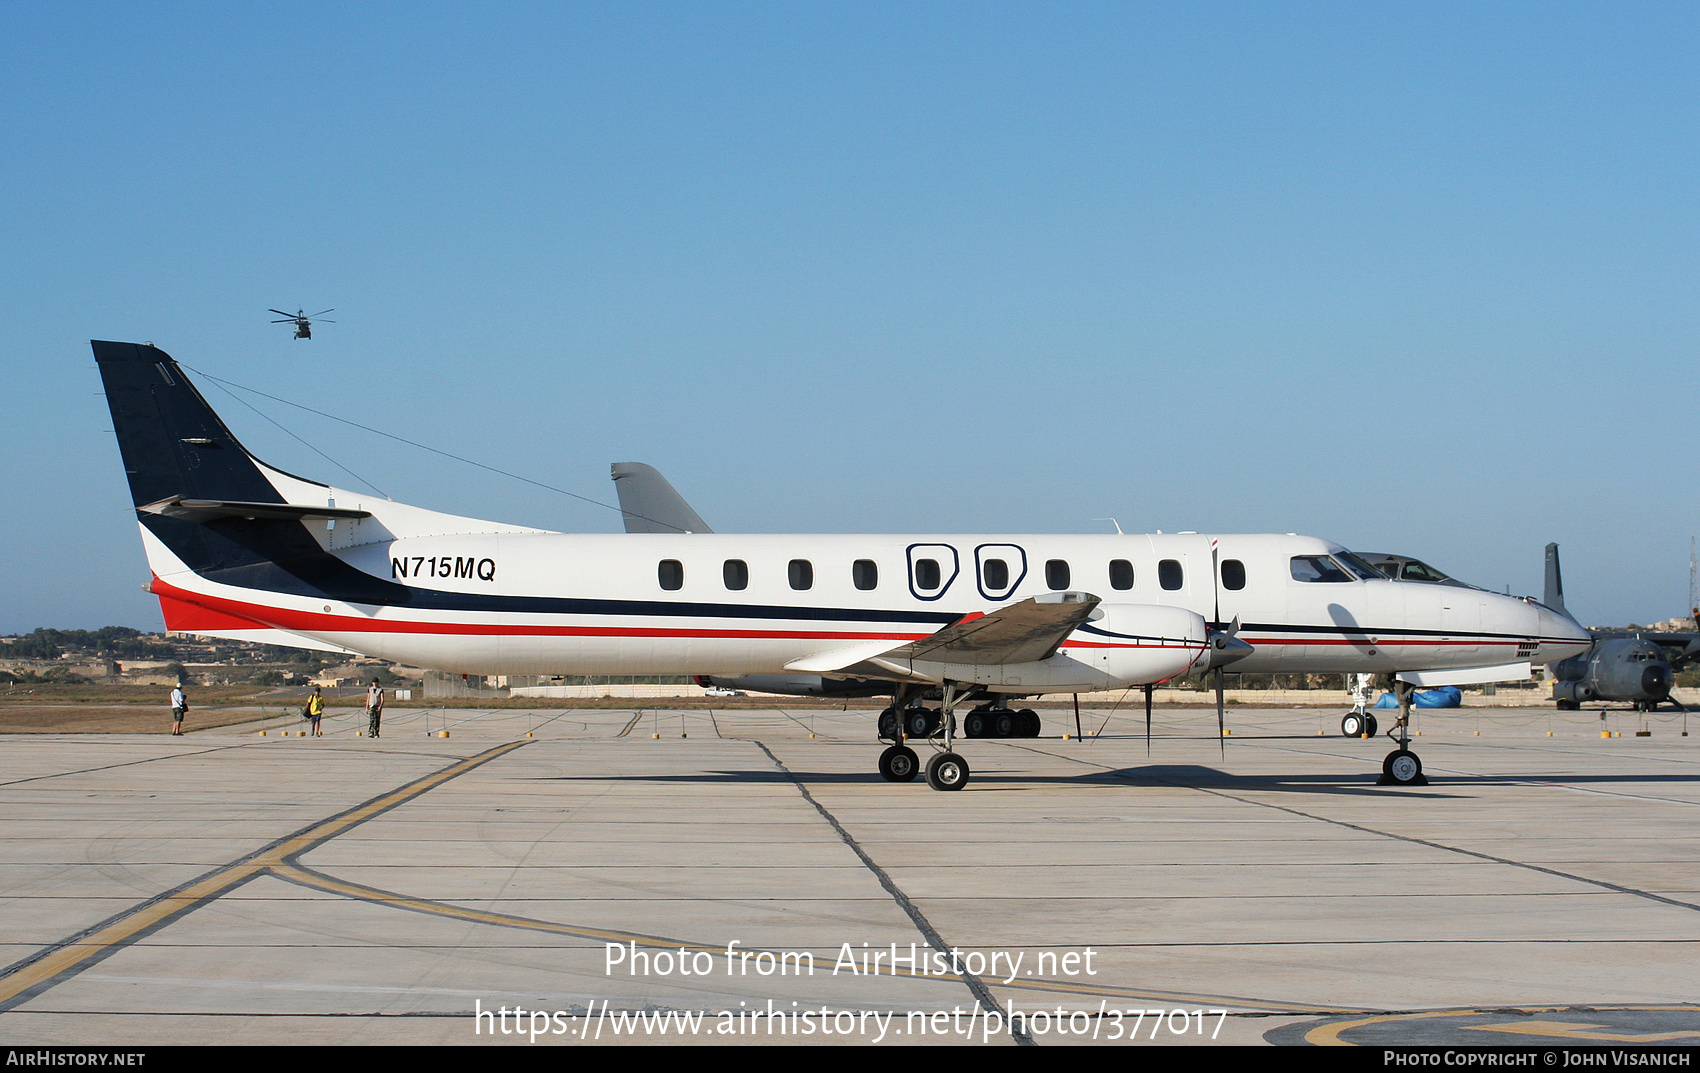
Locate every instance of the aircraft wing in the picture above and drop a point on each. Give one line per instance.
(1689, 642)
(1026, 632)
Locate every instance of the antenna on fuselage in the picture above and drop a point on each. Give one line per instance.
(1113, 522)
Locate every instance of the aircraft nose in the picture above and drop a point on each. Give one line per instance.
(1655, 681)
(1563, 627)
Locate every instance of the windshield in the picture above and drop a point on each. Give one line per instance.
(1317, 568)
(1359, 567)
(1416, 570)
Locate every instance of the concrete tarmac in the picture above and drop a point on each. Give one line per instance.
(225, 887)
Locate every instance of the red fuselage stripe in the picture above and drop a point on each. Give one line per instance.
(260, 616)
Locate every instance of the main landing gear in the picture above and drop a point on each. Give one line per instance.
(982, 722)
(1401, 766)
(945, 770)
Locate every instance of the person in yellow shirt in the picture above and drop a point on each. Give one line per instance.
(315, 710)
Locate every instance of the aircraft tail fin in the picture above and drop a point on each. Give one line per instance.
(172, 442)
(649, 504)
(1553, 596)
(207, 507)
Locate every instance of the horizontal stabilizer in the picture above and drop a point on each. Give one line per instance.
(203, 510)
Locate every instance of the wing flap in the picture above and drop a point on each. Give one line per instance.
(1027, 632)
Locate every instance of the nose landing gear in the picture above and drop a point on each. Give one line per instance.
(1358, 725)
(1401, 766)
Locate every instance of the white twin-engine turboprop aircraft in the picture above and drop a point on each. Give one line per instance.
(240, 549)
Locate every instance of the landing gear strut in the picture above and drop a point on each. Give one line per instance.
(945, 770)
(1359, 723)
(1401, 766)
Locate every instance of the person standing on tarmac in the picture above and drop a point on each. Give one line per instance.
(374, 708)
(315, 711)
(179, 708)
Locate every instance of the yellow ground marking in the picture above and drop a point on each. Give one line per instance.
(73, 955)
(1328, 1035)
(1586, 1033)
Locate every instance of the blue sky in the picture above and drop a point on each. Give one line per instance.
(1416, 278)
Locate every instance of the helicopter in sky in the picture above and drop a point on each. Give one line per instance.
(303, 323)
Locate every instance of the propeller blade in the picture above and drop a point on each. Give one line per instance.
(322, 312)
(281, 313)
(1215, 586)
(1148, 690)
(1221, 723)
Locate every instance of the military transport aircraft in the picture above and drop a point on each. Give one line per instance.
(1631, 668)
(239, 548)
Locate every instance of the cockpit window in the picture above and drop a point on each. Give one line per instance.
(1359, 567)
(1317, 568)
(1420, 571)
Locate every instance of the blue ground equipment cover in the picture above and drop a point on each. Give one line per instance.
(1440, 697)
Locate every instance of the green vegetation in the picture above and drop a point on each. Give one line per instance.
(115, 642)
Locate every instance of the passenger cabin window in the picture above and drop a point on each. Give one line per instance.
(737, 574)
(1056, 574)
(671, 574)
(866, 574)
(1317, 568)
(926, 574)
(802, 574)
(1121, 574)
(1233, 575)
(994, 574)
(1169, 574)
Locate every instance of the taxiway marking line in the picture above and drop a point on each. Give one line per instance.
(1328, 1035)
(65, 959)
(1586, 1033)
